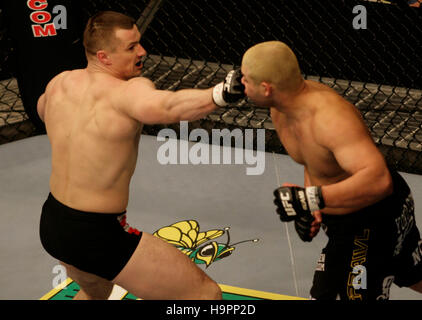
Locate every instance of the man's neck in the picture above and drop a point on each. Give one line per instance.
(287, 102)
(94, 67)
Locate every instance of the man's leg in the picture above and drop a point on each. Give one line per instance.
(91, 286)
(158, 270)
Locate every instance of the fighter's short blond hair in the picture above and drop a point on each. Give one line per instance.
(273, 62)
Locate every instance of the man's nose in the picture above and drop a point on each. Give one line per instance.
(141, 50)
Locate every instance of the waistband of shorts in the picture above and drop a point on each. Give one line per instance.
(401, 188)
(376, 211)
(70, 212)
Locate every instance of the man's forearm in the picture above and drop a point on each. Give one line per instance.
(362, 189)
(191, 104)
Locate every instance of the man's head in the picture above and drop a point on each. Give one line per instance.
(112, 39)
(270, 66)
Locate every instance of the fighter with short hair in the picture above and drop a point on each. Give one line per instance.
(366, 209)
(94, 119)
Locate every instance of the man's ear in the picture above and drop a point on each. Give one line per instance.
(103, 57)
(267, 89)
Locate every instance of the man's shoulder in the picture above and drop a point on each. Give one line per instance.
(332, 111)
(326, 100)
(68, 73)
(123, 95)
(125, 87)
(65, 76)
(141, 82)
(321, 91)
(57, 77)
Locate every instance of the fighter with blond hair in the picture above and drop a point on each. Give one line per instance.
(365, 208)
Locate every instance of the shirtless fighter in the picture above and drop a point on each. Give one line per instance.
(366, 209)
(94, 118)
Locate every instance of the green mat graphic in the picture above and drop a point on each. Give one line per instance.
(68, 289)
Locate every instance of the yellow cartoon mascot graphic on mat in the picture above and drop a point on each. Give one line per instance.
(185, 235)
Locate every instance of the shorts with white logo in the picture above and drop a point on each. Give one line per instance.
(370, 249)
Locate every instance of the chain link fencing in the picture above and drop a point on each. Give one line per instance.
(192, 44)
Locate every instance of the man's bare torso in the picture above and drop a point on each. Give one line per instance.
(94, 144)
(302, 136)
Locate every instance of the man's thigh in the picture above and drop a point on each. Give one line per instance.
(158, 270)
(357, 266)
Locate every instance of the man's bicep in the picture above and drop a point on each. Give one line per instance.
(347, 137)
(153, 108)
(369, 180)
(143, 102)
(356, 152)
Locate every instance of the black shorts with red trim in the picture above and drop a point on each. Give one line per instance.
(96, 243)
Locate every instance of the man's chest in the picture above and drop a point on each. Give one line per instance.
(302, 145)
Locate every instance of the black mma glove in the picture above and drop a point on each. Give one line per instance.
(303, 225)
(230, 90)
(296, 203)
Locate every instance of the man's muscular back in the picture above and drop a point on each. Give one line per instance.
(94, 145)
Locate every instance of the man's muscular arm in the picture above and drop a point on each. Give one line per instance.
(143, 102)
(151, 106)
(347, 137)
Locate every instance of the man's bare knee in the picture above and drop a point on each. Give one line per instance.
(91, 286)
(210, 290)
(216, 293)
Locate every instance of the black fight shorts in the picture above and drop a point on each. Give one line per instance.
(96, 243)
(370, 249)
